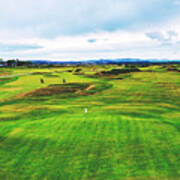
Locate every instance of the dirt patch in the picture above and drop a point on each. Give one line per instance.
(85, 92)
(117, 71)
(90, 87)
(58, 89)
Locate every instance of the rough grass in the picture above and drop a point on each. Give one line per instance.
(4, 81)
(131, 129)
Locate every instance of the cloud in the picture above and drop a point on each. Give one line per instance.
(118, 44)
(18, 47)
(52, 18)
(172, 34)
(92, 40)
(156, 35)
(165, 38)
(84, 29)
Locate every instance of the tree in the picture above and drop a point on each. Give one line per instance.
(11, 62)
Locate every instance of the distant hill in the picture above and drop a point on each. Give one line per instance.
(106, 61)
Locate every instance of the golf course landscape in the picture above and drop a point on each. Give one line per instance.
(102, 122)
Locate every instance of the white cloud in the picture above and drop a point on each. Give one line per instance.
(107, 45)
(84, 29)
(167, 37)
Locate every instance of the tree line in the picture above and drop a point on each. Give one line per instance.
(14, 62)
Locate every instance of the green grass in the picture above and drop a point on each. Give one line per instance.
(131, 129)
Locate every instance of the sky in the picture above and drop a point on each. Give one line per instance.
(89, 29)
